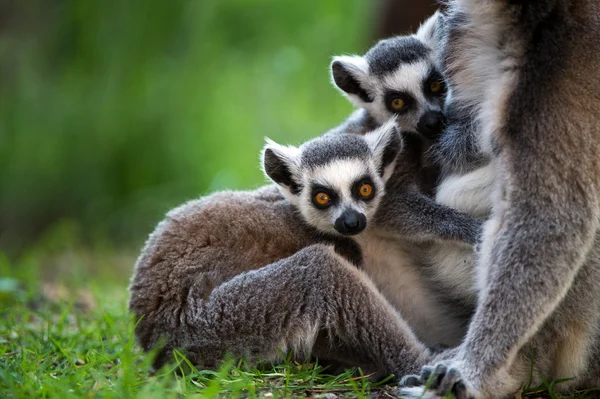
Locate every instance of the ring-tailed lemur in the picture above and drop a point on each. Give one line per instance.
(337, 190)
(398, 77)
(405, 72)
(524, 119)
(242, 272)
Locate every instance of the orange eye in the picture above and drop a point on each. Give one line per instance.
(397, 104)
(322, 199)
(365, 190)
(435, 86)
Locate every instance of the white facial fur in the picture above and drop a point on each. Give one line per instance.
(339, 176)
(408, 78)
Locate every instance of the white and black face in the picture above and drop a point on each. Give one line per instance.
(398, 77)
(336, 181)
(341, 196)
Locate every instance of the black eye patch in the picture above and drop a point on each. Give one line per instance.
(358, 184)
(408, 101)
(318, 189)
(429, 84)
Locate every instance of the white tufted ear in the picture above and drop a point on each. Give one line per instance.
(386, 143)
(431, 30)
(350, 74)
(281, 164)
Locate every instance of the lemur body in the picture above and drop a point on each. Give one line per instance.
(404, 221)
(400, 78)
(407, 69)
(246, 273)
(524, 132)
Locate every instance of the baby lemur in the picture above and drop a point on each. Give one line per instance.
(337, 193)
(254, 273)
(402, 77)
(398, 77)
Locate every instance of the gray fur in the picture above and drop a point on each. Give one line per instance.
(239, 273)
(401, 67)
(359, 122)
(523, 69)
(243, 273)
(384, 57)
(322, 151)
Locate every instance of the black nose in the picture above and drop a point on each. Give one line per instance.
(351, 222)
(431, 124)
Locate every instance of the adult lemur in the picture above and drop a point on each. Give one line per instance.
(523, 111)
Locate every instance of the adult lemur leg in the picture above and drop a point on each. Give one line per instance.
(537, 260)
(290, 304)
(538, 297)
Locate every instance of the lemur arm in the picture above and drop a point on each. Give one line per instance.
(418, 217)
(359, 122)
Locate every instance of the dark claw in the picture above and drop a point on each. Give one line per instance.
(426, 372)
(440, 380)
(410, 381)
(460, 390)
(439, 376)
(449, 381)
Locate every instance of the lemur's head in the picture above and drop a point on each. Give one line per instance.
(336, 181)
(398, 76)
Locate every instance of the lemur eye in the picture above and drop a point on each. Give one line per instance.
(435, 86)
(322, 199)
(397, 104)
(365, 190)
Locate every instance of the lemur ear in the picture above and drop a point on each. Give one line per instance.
(431, 30)
(350, 75)
(386, 143)
(281, 164)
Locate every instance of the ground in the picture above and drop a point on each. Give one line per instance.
(65, 332)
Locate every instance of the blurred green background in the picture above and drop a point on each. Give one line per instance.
(111, 112)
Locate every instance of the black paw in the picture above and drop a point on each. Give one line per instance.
(438, 381)
(410, 381)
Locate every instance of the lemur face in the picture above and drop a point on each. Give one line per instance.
(336, 181)
(397, 77)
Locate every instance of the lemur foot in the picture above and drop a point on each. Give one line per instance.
(436, 382)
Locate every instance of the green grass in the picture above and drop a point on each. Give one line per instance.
(70, 336)
(65, 333)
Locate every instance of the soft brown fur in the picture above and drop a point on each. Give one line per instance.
(215, 277)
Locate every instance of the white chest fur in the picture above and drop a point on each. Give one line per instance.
(470, 193)
(391, 266)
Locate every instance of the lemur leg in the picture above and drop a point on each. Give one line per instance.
(533, 261)
(575, 327)
(292, 303)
